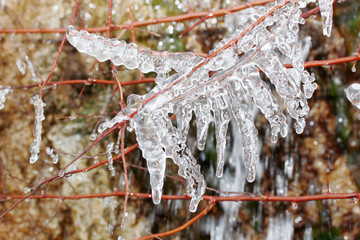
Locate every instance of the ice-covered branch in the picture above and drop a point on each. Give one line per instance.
(266, 41)
(129, 55)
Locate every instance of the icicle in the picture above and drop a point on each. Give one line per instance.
(39, 117)
(3, 93)
(326, 10)
(222, 119)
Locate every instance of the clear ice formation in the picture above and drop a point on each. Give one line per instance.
(109, 150)
(54, 157)
(39, 117)
(120, 117)
(233, 85)
(353, 94)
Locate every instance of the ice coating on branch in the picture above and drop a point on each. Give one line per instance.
(3, 93)
(129, 55)
(120, 117)
(39, 117)
(326, 10)
(215, 89)
(353, 94)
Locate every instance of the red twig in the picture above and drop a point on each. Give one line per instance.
(122, 151)
(184, 226)
(110, 5)
(196, 24)
(131, 25)
(238, 198)
(43, 84)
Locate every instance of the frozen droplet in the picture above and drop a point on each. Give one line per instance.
(93, 136)
(274, 138)
(27, 190)
(353, 94)
(219, 171)
(70, 29)
(353, 69)
(156, 196)
(250, 176)
(61, 173)
(300, 125)
(193, 204)
(96, 160)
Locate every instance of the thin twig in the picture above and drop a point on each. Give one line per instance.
(49, 220)
(184, 226)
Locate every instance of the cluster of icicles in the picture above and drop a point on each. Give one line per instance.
(227, 94)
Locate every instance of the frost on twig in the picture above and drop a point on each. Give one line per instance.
(214, 89)
(39, 117)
